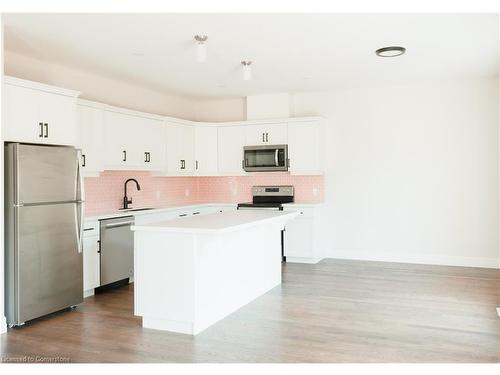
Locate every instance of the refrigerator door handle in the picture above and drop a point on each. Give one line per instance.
(80, 201)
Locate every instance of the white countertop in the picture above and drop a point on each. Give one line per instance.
(217, 223)
(176, 207)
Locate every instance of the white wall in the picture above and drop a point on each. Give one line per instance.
(412, 171)
(107, 90)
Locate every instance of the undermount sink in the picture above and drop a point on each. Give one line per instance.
(137, 209)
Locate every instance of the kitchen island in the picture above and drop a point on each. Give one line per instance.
(192, 272)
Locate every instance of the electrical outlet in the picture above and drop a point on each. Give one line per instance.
(315, 192)
(158, 195)
(187, 192)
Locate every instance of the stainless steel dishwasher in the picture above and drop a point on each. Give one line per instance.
(117, 250)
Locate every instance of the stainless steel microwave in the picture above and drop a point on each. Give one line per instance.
(266, 158)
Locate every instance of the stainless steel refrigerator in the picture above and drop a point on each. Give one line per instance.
(43, 230)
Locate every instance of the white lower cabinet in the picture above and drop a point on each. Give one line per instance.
(91, 264)
(302, 236)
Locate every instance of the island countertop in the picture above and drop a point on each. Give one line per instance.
(217, 222)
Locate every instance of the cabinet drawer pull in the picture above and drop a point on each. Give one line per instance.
(149, 157)
(145, 157)
(267, 139)
(182, 215)
(263, 137)
(46, 125)
(124, 155)
(40, 124)
(196, 213)
(88, 229)
(84, 160)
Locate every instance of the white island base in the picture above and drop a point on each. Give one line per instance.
(192, 272)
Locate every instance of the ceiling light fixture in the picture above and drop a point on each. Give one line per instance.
(201, 48)
(392, 51)
(247, 70)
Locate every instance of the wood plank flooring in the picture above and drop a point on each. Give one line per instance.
(334, 311)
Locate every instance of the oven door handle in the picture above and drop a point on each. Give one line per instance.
(276, 157)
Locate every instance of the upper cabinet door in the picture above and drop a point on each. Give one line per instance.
(231, 140)
(21, 122)
(37, 116)
(91, 124)
(58, 113)
(150, 134)
(121, 150)
(180, 149)
(205, 146)
(261, 134)
(305, 149)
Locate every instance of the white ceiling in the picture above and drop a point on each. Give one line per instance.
(290, 52)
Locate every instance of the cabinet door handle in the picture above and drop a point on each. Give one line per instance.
(40, 124)
(182, 215)
(83, 160)
(196, 164)
(149, 157)
(263, 137)
(46, 130)
(196, 213)
(124, 155)
(145, 157)
(183, 164)
(267, 139)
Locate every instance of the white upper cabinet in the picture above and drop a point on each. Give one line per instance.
(205, 146)
(231, 140)
(180, 149)
(262, 134)
(152, 144)
(38, 113)
(305, 146)
(134, 142)
(118, 133)
(91, 126)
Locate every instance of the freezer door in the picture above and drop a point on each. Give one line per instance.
(49, 261)
(45, 173)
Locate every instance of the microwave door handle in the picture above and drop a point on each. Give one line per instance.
(276, 161)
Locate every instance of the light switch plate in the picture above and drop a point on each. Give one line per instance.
(498, 311)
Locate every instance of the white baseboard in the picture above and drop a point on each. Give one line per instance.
(420, 259)
(3, 325)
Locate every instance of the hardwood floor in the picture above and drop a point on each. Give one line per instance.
(334, 311)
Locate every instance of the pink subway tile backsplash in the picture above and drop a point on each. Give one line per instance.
(105, 193)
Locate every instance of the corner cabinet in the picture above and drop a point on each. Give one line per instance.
(38, 113)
